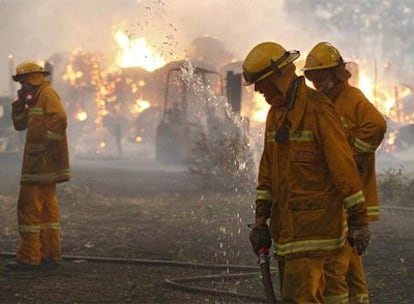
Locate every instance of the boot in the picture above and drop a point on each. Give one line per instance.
(19, 266)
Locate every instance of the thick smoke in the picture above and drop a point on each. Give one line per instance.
(39, 29)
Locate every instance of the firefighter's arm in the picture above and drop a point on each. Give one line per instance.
(20, 114)
(345, 175)
(359, 234)
(260, 235)
(370, 131)
(264, 185)
(55, 119)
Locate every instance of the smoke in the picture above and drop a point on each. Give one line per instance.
(39, 29)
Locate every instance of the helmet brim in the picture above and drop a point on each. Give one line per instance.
(304, 69)
(18, 77)
(292, 56)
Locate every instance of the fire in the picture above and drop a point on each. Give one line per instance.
(135, 52)
(81, 116)
(387, 100)
(140, 105)
(71, 76)
(380, 97)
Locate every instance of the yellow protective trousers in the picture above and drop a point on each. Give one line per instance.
(345, 279)
(39, 226)
(357, 283)
(303, 280)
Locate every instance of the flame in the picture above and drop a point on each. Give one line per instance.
(380, 97)
(135, 52)
(387, 100)
(71, 75)
(81, 116)
(140, 105)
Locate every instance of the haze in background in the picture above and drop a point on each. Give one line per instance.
(376, 33)
(38, 29)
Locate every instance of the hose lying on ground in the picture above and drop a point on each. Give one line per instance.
(179, 282)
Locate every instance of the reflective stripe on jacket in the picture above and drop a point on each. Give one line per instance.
(46, 157)
(312, 177)
(365, 127)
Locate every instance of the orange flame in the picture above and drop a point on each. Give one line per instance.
(386, 100)
(135, 52)
(71, 75)
(81, 116)
(140, 105)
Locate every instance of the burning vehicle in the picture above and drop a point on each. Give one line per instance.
(201, 125)
(180, 127)
(175, 111)
(192, 112)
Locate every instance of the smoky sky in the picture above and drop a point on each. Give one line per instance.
(38, 29)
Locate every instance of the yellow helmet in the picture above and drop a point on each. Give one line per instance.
(30, 67)
(266, 59)
(323, 56)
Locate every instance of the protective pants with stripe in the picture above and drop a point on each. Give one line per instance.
(303, 280)
(357, 283)
(39, 226)
(345, 279)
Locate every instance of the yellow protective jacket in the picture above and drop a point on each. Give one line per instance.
(365, 127)
(311, 180)
(46, 157)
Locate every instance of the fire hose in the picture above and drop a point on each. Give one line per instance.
(179, 283)
(264, 264)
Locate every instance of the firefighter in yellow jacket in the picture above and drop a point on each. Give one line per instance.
(308, 183)
(365, 127)
(40, 112)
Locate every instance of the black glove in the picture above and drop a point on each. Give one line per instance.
(260, 237)
(263, 210)
(359, 238)
(19, 105)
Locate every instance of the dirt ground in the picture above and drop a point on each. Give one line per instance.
(157, 224)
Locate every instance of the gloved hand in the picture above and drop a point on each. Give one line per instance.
(260, 237)
(19, 105)
(359, 237)
(263, 210)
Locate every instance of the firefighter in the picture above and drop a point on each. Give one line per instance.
(365, 127)
(302, 188)
(40, 112)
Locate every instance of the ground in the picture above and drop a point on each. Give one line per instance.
(156, 224)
